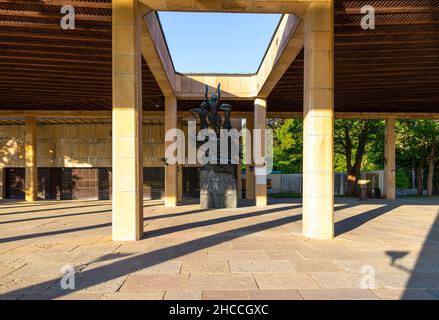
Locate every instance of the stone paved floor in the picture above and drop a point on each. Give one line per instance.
(245, 253)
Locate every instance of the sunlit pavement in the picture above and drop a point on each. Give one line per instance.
(383, 250)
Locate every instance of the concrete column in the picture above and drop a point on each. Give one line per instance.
(127, 123)
(171, 179)
(237, 124)
(180, 170)
(239, 178)
(30, 141)
(2, 182)
(318, 105)
(342, 180)
(413, 179)
(389, 160)
(260, 177)
(249, 169)
(180, 183)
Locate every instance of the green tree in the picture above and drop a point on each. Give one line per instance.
(287, 145)
(417, 143)
(359, 145)
(352, 138)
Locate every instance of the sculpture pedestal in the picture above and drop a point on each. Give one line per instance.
(218, 187)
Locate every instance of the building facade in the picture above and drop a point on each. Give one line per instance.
(114, 74)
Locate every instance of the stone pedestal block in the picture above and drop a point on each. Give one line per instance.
(218, 186)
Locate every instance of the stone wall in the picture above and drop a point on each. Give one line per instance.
(75, 145)
(292, 183)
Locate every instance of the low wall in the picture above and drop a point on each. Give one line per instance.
(292, 183)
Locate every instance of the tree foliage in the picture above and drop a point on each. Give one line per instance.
(352, 138)
(359, 146)
(417, 149)
(287, 145)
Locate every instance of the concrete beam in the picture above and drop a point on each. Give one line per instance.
(283, 50)
(156, 54)
(236, 6)
(12, 114)
(236, 87)
(386, 115)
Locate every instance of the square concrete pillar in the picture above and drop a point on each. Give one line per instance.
(31, 177)
(2, 182)
(171, 178)
(249, 167)
(318, 105)
(180, 183)
(259, 171)
(127, 123)
(239, 180)
(180, 170)
(389, 160)
(237, 124)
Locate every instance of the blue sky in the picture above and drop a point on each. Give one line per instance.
(217, 42)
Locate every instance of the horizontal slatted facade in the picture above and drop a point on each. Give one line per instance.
(394, 68)
(43, 67)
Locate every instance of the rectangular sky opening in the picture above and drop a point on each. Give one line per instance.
(218, 42)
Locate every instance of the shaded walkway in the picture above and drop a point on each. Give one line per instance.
(243, 253)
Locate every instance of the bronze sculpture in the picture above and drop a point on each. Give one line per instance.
(218, 186)
(202, 114)
(209, 110)
(227, 108)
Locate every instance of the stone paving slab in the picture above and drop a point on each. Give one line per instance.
(405, 294)
(338, 280)
(225, 295)
(219, 281)
(337, 294)
(168, 267)
(8, 268)
(410, 280)
(314, 265)
(202, 266)
(275, 295)
(183, 295)
(165, 282)
(274, 266)
(152, 295)
(285, 281)
(94, 283)
(67, 296)
(237, 255)
(19, 286)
